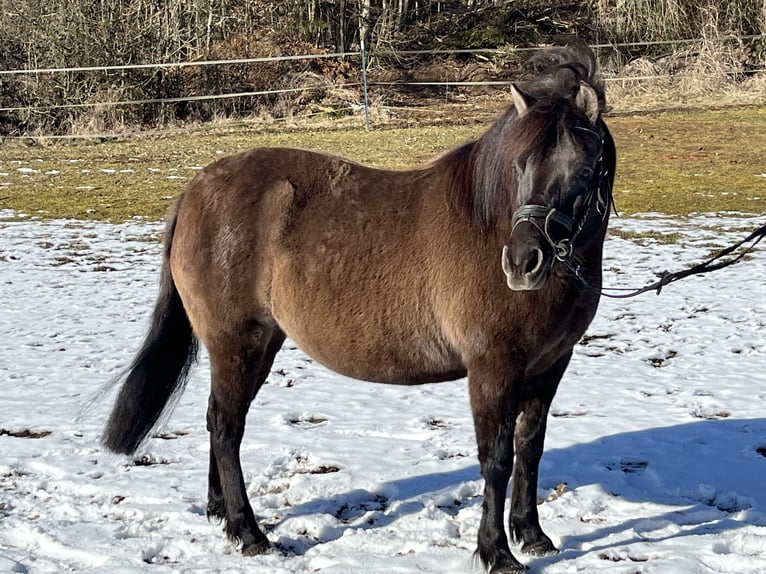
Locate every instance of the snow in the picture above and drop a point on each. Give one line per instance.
(655, 453)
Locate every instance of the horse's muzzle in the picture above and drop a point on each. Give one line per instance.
(525, 267)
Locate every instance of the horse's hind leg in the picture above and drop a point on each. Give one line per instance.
(216, 506)
(240, 363)
(529, 438)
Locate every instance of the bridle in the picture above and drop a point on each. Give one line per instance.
(598, 198)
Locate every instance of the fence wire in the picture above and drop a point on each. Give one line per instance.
(445, 85)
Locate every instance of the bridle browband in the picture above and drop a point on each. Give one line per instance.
(598, 198)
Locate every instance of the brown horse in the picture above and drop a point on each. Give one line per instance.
(462, 266)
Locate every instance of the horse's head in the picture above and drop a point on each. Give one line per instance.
(539, 179)
(562, 191)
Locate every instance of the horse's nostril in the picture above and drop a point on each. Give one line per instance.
(505, 262)
(534, 262)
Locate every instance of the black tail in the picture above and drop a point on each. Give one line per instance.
(160, 368)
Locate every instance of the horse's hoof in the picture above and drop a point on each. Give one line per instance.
(215, 512)
(542, 547)
(256, 549)
(508, 567)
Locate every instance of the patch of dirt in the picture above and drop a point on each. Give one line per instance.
(324, 469)
(560, 489)
(24, 433)
(148, 460)
(170, 435)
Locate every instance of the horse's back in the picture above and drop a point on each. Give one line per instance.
(333, 253)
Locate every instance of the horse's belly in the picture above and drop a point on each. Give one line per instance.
(344, 293)
(377, 356)
(382, 342)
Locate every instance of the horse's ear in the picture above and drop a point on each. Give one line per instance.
(521, 101)
(587, 102)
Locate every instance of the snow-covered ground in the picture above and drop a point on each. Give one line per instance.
(655, 456)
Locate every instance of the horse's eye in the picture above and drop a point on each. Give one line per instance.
(518, 166)
(586, 174)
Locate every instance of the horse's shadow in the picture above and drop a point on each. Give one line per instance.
(706, 471)
(364, 509)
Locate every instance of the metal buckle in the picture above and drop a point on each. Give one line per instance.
(562, 250)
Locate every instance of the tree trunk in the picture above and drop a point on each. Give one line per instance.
(364, 22)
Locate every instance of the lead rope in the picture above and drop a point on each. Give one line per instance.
(666, 277)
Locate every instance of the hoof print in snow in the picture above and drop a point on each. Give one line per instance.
(152, 558)
(658, 362)
(614, 556)
(725, 501)
(450, 454)
(148, 460)
(588, 339)
(599, 345)
(305, 362)
(24, 433)
(307, 421)
(709, 414)
(303, 466)
(568, 414)
(452, 509)
(628, 465)
(351, 511)
(434, 423)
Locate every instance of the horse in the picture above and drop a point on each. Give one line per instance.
(469, 265)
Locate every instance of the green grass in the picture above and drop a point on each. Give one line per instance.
(674, 163)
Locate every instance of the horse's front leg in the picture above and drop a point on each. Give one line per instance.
(535, 401)
(494, 413)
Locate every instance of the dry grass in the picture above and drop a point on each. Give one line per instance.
(140, 176)
(656, 19)
(698, 161)
(710, 73)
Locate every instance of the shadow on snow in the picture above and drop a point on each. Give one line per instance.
(710, 471)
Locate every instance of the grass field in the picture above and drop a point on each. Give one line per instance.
(673, 162)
